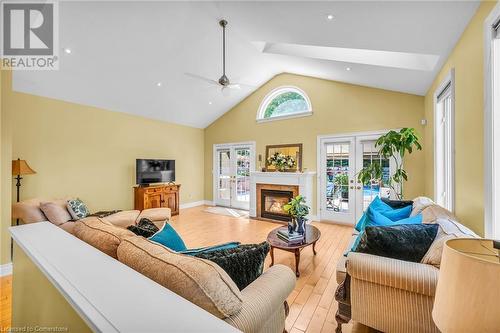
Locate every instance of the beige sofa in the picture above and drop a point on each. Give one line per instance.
(28, 211)
(392, 295)
(260, 307)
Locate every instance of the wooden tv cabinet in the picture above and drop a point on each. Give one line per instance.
(157, 196)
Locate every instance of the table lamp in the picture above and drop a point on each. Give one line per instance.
(20, 168)
(468, 290)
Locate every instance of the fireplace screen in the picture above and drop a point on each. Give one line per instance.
(272, 203)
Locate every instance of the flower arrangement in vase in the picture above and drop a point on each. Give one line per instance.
(281, 161)
(298, 210)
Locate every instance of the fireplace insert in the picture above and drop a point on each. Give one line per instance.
(272, 202)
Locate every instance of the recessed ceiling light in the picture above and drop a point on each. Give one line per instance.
(67, 51)
(209, 103)
(158, 84)
(330, 17)
(348, 68)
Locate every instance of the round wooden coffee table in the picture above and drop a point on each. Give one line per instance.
(312, 236)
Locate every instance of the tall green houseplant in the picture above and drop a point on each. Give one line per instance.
(393, 145)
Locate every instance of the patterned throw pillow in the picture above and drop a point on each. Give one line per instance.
(144, 228)
(77, 209)
(243, 264)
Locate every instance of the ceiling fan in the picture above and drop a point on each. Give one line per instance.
(223, 82)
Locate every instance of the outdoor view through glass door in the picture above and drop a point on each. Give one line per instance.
(233, 164)
(343, 198)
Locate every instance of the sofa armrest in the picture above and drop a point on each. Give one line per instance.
(263, 297)
(414, 277)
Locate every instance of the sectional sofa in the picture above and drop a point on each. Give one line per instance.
(260, 307)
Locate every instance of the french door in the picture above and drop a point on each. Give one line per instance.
(232, 166)
(342, 197)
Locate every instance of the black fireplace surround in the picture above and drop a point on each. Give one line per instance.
(265, 213)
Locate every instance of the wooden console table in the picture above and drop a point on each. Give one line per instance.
(157, 196)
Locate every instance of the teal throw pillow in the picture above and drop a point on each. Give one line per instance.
(376, 218)
(398, 214)
(207, 249)
(376, 204)
(167, 236)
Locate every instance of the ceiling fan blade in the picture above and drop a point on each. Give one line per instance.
(225, 91)
(244, 85)
(198, 77)
(233, 86)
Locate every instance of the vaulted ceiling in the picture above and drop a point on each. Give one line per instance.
(133, 56)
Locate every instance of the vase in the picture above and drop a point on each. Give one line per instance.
(292, 226)
(301, 225)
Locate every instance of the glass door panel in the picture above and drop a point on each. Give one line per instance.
(366, 155)
(242, 188)
(337, 174)
(233, 164)
(223, 177)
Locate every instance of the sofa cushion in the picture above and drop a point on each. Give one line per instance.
(28, 211)
(448, 229)
(156, 215)
(101, 234)
(403, 242)
(433, 212)
(55, 211)
(419, 204)
(200, 281)
(124, 218)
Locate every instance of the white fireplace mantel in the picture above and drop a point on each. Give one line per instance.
(304, 180)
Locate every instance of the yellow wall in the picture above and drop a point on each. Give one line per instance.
(467, 59)
(37, 303)
(337, 108)
(83, 151)
(5, 171)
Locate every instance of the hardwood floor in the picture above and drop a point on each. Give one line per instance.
(312, 304)
(5, 302)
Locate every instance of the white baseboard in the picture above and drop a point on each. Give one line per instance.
(192, 204)
(209, 203)
(6, 269)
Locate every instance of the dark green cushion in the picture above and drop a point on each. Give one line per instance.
(243, 264)
(145, 228)
(407, 242)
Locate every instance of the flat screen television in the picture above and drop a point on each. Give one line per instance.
(150, 171)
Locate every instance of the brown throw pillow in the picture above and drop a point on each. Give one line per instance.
(55, 212)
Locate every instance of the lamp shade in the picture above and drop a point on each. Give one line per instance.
(20, 167)
(468, 290)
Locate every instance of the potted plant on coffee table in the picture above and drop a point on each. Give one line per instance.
(298, 210)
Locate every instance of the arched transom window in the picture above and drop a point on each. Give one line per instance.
(284, 102)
